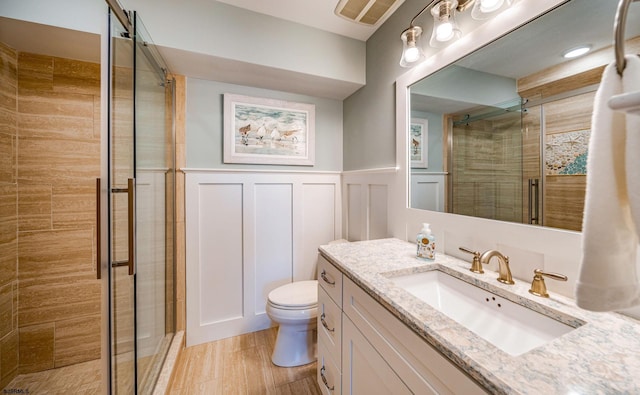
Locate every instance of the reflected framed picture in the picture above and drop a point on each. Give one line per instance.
(418, 133)
(268, 131)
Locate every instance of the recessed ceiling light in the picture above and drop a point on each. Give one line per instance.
(577, 51)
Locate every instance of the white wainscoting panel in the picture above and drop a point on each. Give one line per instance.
(248, 232)
(378, 203)
(366, 203)
(355, 223)
(219, 251)
(427, 191)
(272, 238)
(320, 222)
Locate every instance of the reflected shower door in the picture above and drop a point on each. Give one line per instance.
(487, 170)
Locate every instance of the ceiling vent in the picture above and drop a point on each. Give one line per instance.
(367, 12)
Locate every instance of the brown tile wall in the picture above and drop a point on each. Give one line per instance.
(58, 123)
(8, 215)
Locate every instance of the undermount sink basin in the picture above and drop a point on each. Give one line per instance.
(509, 326)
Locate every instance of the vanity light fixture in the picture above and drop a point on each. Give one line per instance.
(445, 28)
(577, 51)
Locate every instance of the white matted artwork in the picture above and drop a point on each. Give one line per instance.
(418, 133)
(268, 131)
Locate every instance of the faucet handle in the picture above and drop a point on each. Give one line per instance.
(476, 266)
(538, 287)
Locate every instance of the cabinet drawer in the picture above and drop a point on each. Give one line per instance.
(330, 278)
(330, 325)
(328, 375)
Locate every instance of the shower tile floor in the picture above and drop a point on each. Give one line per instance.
(82, 378)
(237, 365)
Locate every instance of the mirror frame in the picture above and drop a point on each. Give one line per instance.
(519, 14)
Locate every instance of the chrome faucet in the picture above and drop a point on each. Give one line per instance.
(503, 268)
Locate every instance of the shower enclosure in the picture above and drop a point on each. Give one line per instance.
(86, 200)
(138, 193)
(522, 161)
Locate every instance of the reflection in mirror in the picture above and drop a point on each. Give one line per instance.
(508, 125)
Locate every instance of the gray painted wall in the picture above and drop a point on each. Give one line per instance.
(84, 15)
(469, 86)
(369, 114)
(205, 126)
(218, 29)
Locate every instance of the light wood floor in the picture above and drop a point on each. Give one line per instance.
(240, 365)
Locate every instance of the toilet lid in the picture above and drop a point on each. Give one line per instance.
(296, 294)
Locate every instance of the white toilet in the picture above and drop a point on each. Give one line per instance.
(294, 307)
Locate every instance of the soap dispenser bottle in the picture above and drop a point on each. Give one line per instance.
(426, 243)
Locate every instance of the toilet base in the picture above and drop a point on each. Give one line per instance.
(295, 345)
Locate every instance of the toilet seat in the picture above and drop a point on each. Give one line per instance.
(299, 295)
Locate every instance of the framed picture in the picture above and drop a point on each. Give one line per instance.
(418, 133)
(268, 131)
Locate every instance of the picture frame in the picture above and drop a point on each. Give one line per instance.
(418, 143)
(268, 131)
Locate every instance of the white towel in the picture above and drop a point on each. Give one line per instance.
(631, 83)
(608, 274)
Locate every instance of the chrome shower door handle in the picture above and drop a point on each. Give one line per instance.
(131, 214)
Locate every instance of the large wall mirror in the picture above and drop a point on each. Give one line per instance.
(503, 132)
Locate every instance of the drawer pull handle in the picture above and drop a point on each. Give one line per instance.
(326, 279)
(324, 323)
(324, 380)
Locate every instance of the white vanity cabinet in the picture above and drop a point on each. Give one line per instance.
(379, 353)
(329, 328)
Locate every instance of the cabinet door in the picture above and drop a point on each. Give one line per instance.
(363, 369)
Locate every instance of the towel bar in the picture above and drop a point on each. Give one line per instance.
(627, 102)
(618, 33)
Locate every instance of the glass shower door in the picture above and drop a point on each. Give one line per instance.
(154, 173)
(121, 214)
(142, 212)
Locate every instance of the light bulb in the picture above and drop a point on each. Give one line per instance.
(487, 6)
(575, 52)
(444, 32)
(411, 54)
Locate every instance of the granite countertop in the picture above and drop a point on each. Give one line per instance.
(600, 356)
